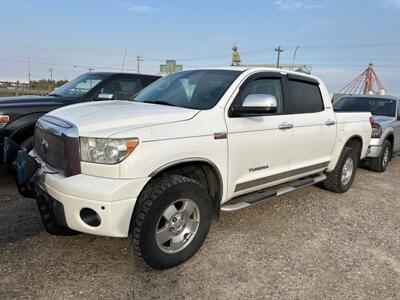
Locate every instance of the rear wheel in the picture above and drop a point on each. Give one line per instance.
(380, 163)
(170, 222)
(342, 177)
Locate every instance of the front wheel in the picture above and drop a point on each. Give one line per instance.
(170, 222)
(342, 177)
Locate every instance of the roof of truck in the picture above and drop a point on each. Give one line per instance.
(119, 73)
(260, 69)
(391, 97)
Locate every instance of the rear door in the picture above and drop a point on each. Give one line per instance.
(314, 126)
(259, 146)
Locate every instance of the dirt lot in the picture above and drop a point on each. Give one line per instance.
(308, 245)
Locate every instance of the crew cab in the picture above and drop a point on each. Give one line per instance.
(159, 168)
(385, 140)
(18, 115)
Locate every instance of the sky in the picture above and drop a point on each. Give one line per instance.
(337, 38)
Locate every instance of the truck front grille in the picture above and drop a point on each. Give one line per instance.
(50, 149)
(56, 142)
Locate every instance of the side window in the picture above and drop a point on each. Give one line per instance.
(270, 86)
(306, 97)
(123, 89)
(85, 86)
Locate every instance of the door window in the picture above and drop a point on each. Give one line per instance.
(270, 86)
(306, 97)
(122, 89)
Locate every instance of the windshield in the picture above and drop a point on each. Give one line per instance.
(200, 89)
(376, 106)
(78, 86)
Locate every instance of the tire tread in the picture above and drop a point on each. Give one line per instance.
(146, 199)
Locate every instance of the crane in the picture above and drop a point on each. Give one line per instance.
(364, 84)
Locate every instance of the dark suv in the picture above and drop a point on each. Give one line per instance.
(18, 115)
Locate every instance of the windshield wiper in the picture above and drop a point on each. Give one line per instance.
(158, 102)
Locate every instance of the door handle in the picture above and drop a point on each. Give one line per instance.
(330, 122)
(285, 125)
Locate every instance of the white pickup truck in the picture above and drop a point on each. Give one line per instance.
(157, 169)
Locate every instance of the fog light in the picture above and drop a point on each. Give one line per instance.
(90, 217)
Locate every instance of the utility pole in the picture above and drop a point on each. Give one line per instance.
(138, 60)
(90, 69)
(123, 62)
(29, 71)
(279, 50)
(51, 79)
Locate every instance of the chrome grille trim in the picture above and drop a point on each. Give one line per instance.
(62, 138)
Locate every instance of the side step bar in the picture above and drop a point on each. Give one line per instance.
(258, 197)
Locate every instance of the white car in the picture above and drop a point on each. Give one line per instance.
(159, 168)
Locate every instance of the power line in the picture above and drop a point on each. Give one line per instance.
(248, 52)
(61, 64)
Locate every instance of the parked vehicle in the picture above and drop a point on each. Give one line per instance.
(18, 115)
(385, 140)
(159, 168)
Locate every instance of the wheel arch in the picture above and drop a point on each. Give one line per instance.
(355, 140)
(201, 170)
(390, 137)
(23, 133)
(24, 127)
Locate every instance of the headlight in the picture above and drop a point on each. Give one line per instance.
(4, 119)
(106, 151)
(376, 131)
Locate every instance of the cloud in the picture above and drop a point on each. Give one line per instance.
(297, 4)
(140, 8)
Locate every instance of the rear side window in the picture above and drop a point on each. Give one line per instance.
(306, 97)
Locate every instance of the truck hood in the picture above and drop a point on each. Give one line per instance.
(26, 100)
(103, 119)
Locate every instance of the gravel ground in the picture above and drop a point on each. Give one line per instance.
(311, 244)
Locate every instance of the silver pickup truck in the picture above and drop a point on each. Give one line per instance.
(385, 140)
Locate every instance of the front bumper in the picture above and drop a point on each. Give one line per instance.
(113, 200)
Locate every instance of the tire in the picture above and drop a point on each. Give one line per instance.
(334, 182)
(380, 163)
(159, 199)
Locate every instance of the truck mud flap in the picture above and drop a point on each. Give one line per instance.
(10, 151)
(26, 168)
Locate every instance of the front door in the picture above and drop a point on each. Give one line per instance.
(259, 146)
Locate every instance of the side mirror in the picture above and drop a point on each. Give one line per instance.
(256, 104)
(105, 96)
